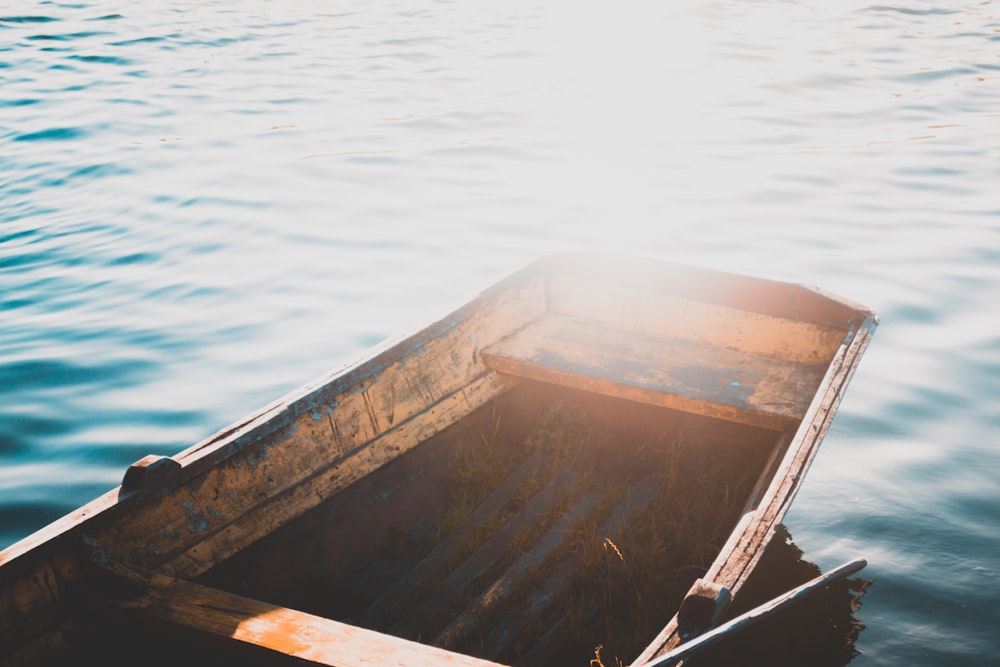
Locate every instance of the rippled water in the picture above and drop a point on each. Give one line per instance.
(205, 204)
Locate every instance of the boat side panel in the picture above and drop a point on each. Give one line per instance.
(387, 411)
(733, 570)
(29, 601)
(259, 521)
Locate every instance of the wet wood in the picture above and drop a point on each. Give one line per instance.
(673, 373)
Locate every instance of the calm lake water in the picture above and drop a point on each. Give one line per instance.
(206, 204)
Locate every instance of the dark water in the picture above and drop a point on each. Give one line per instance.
(204, 205)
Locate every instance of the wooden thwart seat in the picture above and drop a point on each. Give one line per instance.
(671, 372)
(276, 635)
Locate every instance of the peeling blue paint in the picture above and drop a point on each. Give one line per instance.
(704, 383)
(256, 458)
(97, 551)
(196, 521)
(172, 535)
(851, 331)
(280, 422)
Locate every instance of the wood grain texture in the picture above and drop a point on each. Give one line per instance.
(269, 468)
(751, 536)
(319, 448)
(669, 372)
(278, 634)
(706, 323)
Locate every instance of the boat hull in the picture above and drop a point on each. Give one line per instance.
(647, 352)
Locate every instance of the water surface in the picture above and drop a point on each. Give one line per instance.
(206, 204)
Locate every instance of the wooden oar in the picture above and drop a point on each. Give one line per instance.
(755, 614)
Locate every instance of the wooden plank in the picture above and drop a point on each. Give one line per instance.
(676, 316)
(669, 372)
(768, 297)
(543, 503)
(450, 548)
(553, 589)
(503, 588)
(277, 634)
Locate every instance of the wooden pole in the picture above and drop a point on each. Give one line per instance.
(755, 614)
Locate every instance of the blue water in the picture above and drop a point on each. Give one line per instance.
(206, 204)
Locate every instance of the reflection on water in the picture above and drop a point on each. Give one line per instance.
(205, 204)
(820, 629)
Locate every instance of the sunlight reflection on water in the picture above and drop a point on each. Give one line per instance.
(206, 204)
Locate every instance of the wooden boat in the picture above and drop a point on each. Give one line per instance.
(553, 469)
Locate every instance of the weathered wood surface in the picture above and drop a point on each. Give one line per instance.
(747, 542)
(661, 315)
(701, 608)
(381, 610)
(616, 283)
(255, 476)
(669, 372)
(239, 485)
(390, 410)
(543, 503)
(754, 615)
(503, 588)
(275, 635)
(555, 586)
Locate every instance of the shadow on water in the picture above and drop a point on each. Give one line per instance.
(819, 630)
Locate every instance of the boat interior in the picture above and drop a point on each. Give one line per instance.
(547, 523)
(542, 475)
